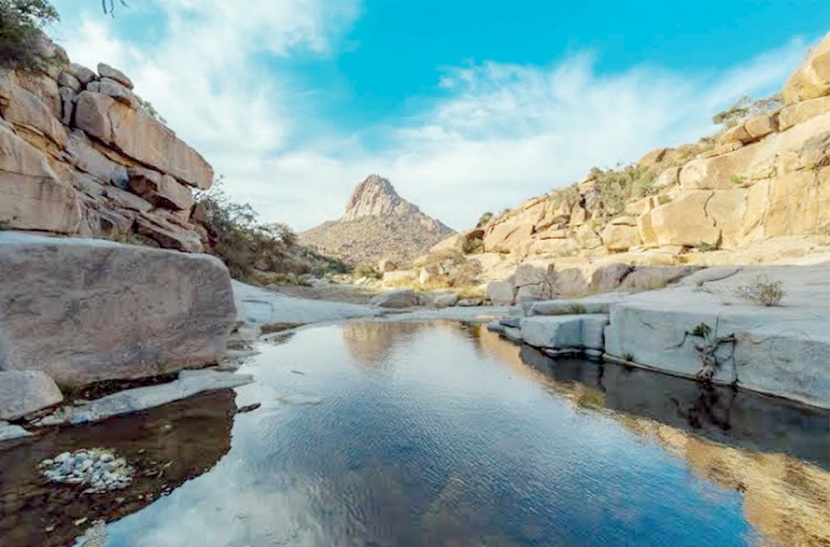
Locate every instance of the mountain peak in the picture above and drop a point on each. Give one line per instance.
(376, 196)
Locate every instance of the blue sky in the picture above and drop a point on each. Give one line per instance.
(465, 105)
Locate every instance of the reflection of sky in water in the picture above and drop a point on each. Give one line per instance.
(442, 445)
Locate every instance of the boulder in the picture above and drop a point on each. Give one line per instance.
(82, 154)
(528, 274)
(445, 300)
(142, 138)
(168, 234)
(111, 88)
(565, 332)
(501, 293)
(66, 79)
(160, 190)
(533, 293)
(84, 311)
(106, 71)
(10, 432)
(761, 125)
(81, 73)
(620, 237)
(32, 197)
(812, 79)
(504, 236)
(25, 110)
(608, 278)
(126, 200)
(403, 298)
(570, 282)
(797, 113)
(67, 105)
(683, 221)
(23, 392)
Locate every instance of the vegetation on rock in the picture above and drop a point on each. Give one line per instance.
(261, 253)
(762, 291)
(21, 22)
(746, 107)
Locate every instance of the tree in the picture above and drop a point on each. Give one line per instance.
(746, 107)
(21, 36)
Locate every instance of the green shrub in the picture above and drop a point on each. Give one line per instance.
(568, 196)
(484, 219)
(618, 186)
(240, 241)
(21, 22)
(762, 291)
(707, 247)
(364, 270)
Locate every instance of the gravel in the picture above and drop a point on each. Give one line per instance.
(98, 469)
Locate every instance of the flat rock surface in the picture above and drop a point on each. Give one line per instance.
(190, 382)
(261, 306)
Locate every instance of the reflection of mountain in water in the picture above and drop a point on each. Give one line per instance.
(167, 446)
(741, 441)
(370, 343)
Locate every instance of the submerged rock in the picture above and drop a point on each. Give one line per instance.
(190, 383)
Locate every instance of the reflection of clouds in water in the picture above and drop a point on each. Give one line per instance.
(453, 449)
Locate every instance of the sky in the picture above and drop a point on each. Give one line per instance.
(465, 106)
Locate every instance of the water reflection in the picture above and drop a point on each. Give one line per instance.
(741, 441)
(168, 446)
(456, 438)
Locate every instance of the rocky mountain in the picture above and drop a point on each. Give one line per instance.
(378, 224)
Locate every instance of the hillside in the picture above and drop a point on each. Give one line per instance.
(758, 192)
(378, 224)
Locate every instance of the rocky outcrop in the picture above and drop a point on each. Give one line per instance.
(397, 299)
(763, 182)
(700, 329)
(84, 311)
(82, 156)
(378, 225)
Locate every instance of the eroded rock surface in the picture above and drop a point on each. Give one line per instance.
(85, 310)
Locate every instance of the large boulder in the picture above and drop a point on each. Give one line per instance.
(683, 221)
(32, 197)
(565, 332)
(23, 392)
(106, 71)
(160, 190)
(142, 138)
(812, 79)
(89, 310)
(26, 111)
(501, 293)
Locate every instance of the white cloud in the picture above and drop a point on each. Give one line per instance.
(502, 134)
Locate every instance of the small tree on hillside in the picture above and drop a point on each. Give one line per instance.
(746, 107)
(21, 22)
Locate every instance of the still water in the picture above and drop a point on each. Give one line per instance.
(439, 434)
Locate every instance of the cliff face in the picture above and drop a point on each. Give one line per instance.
(378, 224)
(759, 192)
(81, 155)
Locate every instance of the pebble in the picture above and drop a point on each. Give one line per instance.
(98, 469)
